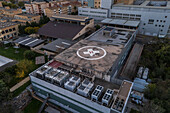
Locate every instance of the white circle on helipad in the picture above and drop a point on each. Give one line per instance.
(91, 53)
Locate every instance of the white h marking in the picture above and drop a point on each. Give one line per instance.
(91, 52)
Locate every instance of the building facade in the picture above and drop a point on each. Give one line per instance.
(8, 30)
(67, 8)
(153, 16)
(97, 14)
(23, 18)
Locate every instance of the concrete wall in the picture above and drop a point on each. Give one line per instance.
(106, 3)
(90, 3)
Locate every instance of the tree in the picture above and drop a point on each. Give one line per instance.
(12, 1)
(30, 55)
(97, 27)
(36, 29)
(44, 20)
(4, 91)
(21, 4)
(29, 30)
(23, 68)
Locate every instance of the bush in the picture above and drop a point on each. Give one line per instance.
(23, 68)
(30, 55)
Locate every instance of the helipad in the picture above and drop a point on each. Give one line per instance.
(91, 54)
(4, 61)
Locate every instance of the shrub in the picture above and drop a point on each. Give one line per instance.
(30, 55)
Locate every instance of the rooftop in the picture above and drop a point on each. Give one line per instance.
(71, 17)
(29, 42)
(99, 51)
(79, 54)
(112, 36)
(146, 6)
(131, 23)
(60, 30)
(122, 96)
(6, 24)
(28, 15)
(57, 45)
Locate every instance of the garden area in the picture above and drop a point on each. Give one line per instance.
(14, 74)
(156, 56)
(33, 106)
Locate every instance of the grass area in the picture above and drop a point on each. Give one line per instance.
(33, 107)
(10, 53)
(20, 89)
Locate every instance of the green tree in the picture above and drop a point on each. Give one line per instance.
(4, 91)
(12, 1)
(30, 55)
(29, 30)
(21, 4)
(97, 27)
(24, 67)
(44, 20)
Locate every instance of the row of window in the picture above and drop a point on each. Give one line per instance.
(97, 12)
(151, 21)
(8, 30)
(9, 36)
(122, 14)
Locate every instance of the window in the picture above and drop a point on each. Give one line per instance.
(3, 32)
(10, 30)
(165, 16)
(144, 24)
(6, 31)
(160, 20)
(157, 20)
(159, 25)
(162, 25)
(156, 25)
(151, 21)
(164, 21)
(13, 29)
(161, 30)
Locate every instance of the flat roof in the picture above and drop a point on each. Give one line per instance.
(29, 42)
(6, 24)
(28, 15)
(60, 30)
(124, 22)
(71, 17)
(119, 36)
(122, 96)
(92, 55)
(147, 5)
(4, 61)
(57, 45)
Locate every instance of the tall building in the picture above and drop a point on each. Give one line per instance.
(153, 15)
(78, 79)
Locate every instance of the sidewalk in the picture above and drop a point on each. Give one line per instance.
(20, 84)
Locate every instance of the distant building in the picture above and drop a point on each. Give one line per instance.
(23, 18)
(8, 30)
(153, 15)
(97, 14)
(40, 7)
(36, 7)
(9, 12)
(67, 8)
